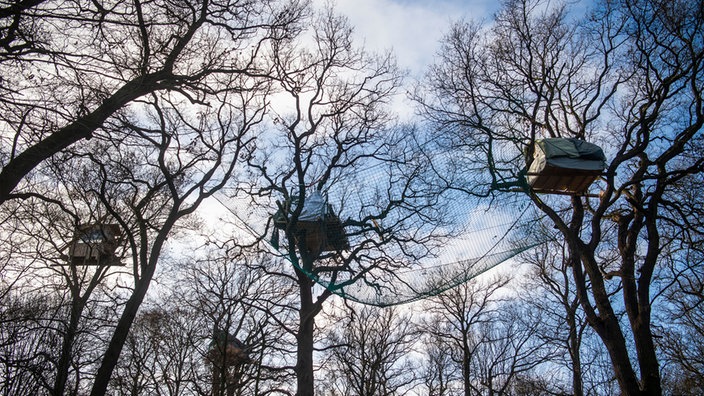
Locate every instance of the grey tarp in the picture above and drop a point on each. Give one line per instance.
(565, 164)
(323, 229)
(314, 208)
(569, 153)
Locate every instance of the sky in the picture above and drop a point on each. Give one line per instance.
(411, 28)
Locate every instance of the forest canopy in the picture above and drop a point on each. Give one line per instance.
(157, 157)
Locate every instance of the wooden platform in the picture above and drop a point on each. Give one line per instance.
(562, 181)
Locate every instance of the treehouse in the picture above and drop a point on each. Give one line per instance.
(95, 244)
(226, 350)
(318, 229)
(564, 166)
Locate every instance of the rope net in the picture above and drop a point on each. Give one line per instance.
(402, 243)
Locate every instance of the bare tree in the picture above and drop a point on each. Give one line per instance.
(370, 353)
(491, 337)
(331, 134)
(189, 157)
(43, 224)
(159, 354)
(511, 349)
(682, 322)
(83, 69)
(550, 290)
(629, 76)
(26, 343)
(455, 318)
(241, 298)
(212, 331)
(439, 374)
(68, 67)
(150, 171)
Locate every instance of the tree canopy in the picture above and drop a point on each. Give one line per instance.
(120, 121)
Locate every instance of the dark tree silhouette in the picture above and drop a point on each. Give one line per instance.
(454, 320)
(165, 94)
(370, 353)
(628, 77)
(549, 289)
(70, 66)
(333, 130)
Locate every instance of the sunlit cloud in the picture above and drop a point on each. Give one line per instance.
(412, 29)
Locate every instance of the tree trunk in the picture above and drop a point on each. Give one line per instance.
(69, 337)
(124, 324)
(112, 354)
(605, 322)
(306, 326)
(465, 364)
(574, 342)
(78, 304)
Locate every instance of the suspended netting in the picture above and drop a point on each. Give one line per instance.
(403, 242)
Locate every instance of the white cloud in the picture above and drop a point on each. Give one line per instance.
(411, 28)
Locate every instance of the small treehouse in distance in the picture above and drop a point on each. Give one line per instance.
(564, 166)
(226, 350)
(227, 356)
(317, 229)
(95, 244)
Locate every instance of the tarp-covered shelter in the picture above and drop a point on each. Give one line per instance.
(317, 226)
(564, 165)
(95, 244)
(226, 350)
